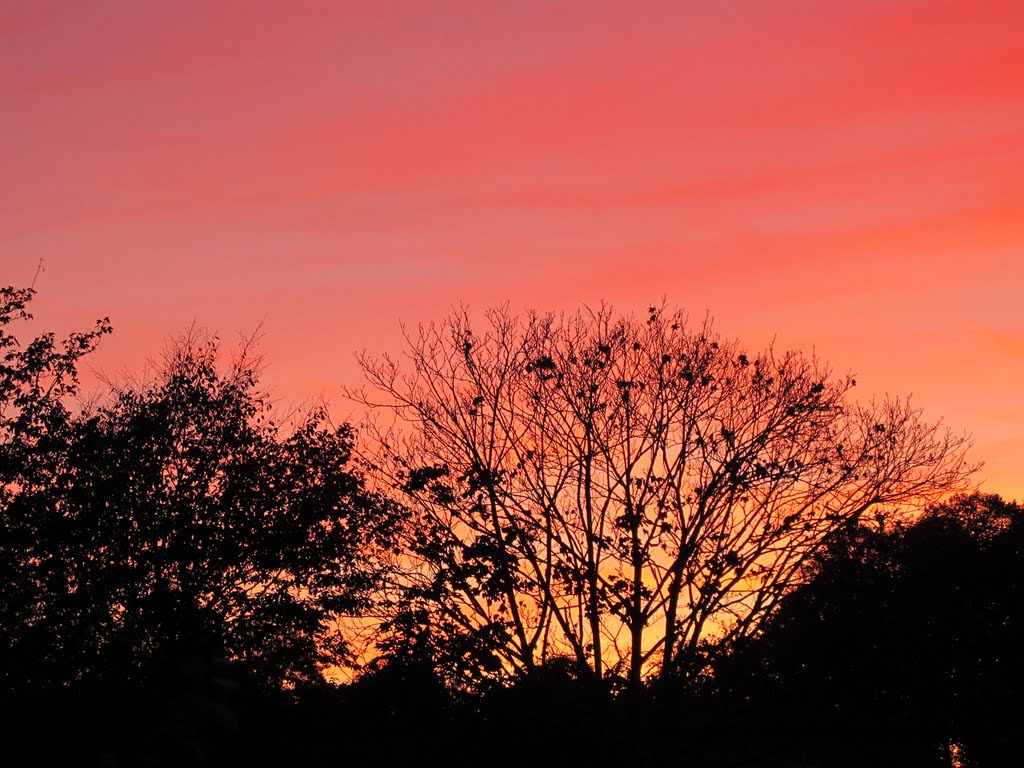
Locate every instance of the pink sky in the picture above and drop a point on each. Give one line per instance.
(843, 176)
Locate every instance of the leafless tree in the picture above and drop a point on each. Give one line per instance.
(622, 491)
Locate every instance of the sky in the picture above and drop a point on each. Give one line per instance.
(842, 177)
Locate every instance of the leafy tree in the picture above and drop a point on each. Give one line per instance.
(632, 494)
(910, 632)
(36, 427)
(173, 520)
(217, 526)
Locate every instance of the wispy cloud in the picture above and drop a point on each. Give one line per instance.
(1009, 342)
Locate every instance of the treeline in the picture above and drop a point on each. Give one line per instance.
(580, 538)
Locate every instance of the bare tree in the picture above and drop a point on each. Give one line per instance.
(622, 491)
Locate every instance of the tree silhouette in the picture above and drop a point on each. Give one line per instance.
(629, 493)
(907, 632)
(175, 519)
(36, 428)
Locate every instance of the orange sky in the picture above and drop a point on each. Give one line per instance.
(844, 176)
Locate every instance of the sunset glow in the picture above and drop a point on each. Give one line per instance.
(843, 177)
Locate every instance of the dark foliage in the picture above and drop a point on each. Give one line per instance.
(171, 526)
(172, 555)
(36, 438)
(903, 650)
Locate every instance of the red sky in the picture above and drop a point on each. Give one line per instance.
(842, 176)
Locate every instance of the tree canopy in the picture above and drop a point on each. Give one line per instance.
(909, 630)
(633, 494)
(175, 515)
